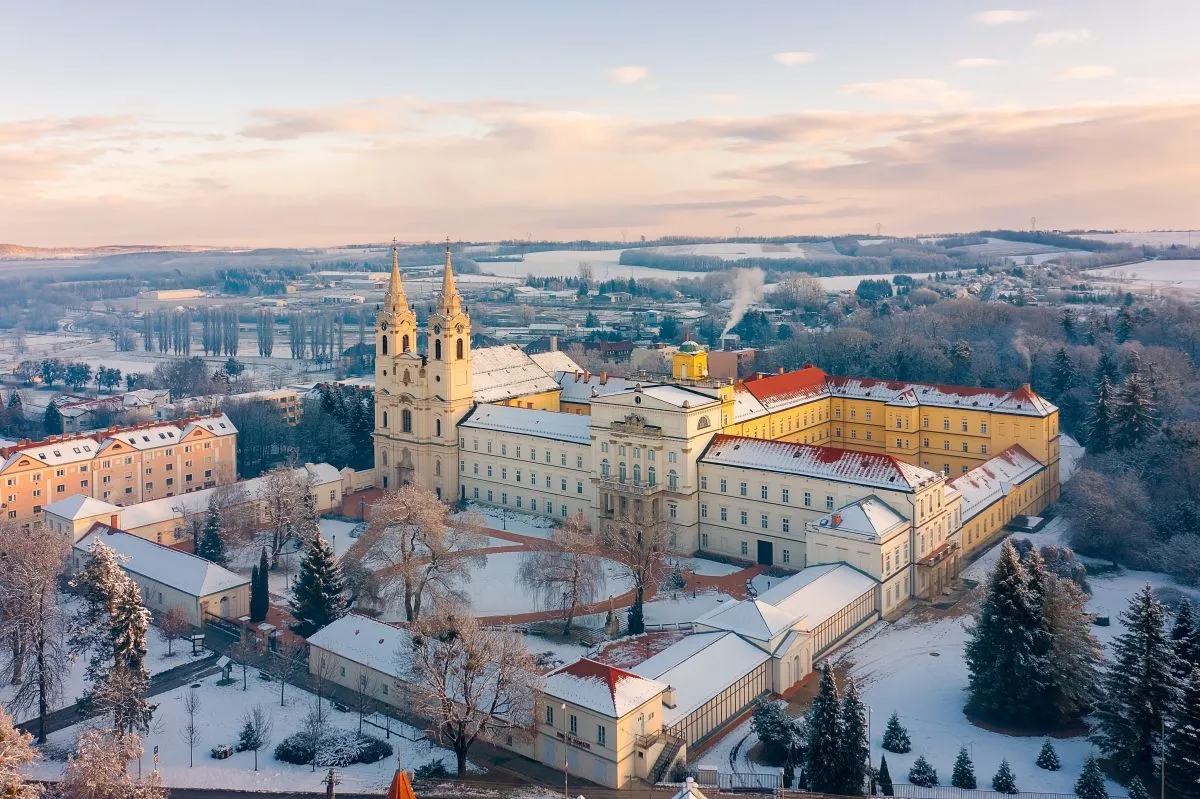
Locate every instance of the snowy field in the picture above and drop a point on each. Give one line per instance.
(1178, 274)
(75, 682)
(1158, 238)
(1000, 248)
(565, 263)
(733, 251)
(703, 566)
(511, 521)
(916, 668)
(220, 717)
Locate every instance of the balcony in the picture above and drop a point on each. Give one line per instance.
(640, 488)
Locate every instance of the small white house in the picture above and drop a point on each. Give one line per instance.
(170, 578)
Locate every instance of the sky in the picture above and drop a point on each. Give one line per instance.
(297, 123)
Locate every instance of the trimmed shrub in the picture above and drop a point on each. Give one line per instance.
(337, 748)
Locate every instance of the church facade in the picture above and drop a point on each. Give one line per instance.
(792, 469)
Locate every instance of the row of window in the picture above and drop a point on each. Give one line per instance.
(533, 478)
(785, 493)
(636, 452)
(785, 554)
(573, 726)
(764, 519)
(518, 449)
(623, 474)
(548, 507)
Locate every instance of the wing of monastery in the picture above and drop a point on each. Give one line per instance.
(872, 492)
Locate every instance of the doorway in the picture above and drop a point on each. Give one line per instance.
(766, 553)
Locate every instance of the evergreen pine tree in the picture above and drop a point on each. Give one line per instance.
(260, 600)
(1004, 781)
(320, 593)
(1047, 758)
(1137, 790)
(824, 737)
(129, 681)
(1135, 419)
(1185, 639)
(1064, 373)
(883, 780)
(1183, 744)
(1124, 325)
(1090, 784)
(52, 421)
(1074, 655)
(854, 754)
(1106, 367)
(1007, 646)
(1139, 689)
(964, 771)
(212, 545)
(922, 773)
(895, 736)
(1100, 418)
(636, 621)
(309, 525)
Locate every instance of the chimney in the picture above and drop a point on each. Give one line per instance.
(603, 378)
(554, 343)
(781, 370)
(577, 376)
(669, 697)
(837, 519)
(587, 376)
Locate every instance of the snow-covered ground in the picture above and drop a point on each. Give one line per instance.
(220, 718)
(741, 738)
(916, 668)
(1182, 274)
(511, 521)
(704, 566)
(337, 533)
(1070, 452)
(674, 607)
(75, 683)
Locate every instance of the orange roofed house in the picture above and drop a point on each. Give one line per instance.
(122, 466)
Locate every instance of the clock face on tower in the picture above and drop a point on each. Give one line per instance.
(383, 325)
(437, 329)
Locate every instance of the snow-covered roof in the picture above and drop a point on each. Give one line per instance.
(678, 395)
(506, 371)
(568, 427)
(219, 425)
(752, 618)
(604, 689)
(79, 506)
(577, 386)
(869, 517)
(699, 667)
(172, 567)
(365, 641)
(809, 460)
(149, 437)
(554, 361)
(56, 453)
(155, 511)
(994, 478)
(818, 592)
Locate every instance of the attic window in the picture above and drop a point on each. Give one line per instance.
(145, 438)
(162, 435)
(221, 425)
(76, 450)
(57, 454)
(87, 449)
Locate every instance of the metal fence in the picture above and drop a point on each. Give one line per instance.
(946, 792)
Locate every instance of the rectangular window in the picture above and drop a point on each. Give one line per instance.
(983, 427)
(489, 470)
(601, 734)
(474, 468)
(504, 449)
(899, 444)
(518, 501)
(853, 413)
(808, 499)
(578, 487)
(787, 524)
(742, 489)
(550, 715)
(489, 447)
(724, 485)
(672, 510)
(745, 549)
(787, 556)
(763, 521)
(869, 433)
(578, 461)
(504, 474)
(762, 492)
(703, 482)
(703, 510)
(829, 502)
(945, 422)
(744, 517)
(983, 449)
(964, 425)
(704, 540)
(868, 416)
(574, 725)
(925, 442)
(724, 513)
(925, 422)
(518, 452)
(503, 497)
(964, 447)
(475, 492)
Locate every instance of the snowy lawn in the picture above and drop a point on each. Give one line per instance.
(75, 683)
(674, 607)
(219, 719)
(736, 743)
(915, 667)
(703, 566)
(337, 533)
(511, 521)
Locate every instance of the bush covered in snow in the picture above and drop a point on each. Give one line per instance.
(434, 769)
(334, 748)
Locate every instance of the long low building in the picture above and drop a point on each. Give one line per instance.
(169, 578)
(1014, 483)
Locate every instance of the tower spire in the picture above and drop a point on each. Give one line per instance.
(396, 299)
(450, 302)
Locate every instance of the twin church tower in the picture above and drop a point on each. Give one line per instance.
(421, 396)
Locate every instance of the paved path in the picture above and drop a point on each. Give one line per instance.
(160, 683)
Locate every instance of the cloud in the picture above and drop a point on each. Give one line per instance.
(793, 58)
(631, 74)
(908, 90)
(1086, 72)
(1004, 16)
(978, 63)
(366, 117)
(1051, 38)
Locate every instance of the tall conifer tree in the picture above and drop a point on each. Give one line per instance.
(1183, 744)
(260, 598)
(1100, 418)
(212, 545)
(320, 593)
(964, 771)
(824, 737)
(1135, 420)
(854, 752)
(1185, 639)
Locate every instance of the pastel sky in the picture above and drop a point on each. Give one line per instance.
(297, 123)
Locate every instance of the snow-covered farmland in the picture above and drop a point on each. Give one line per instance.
(1178, 274)
(1154, 238)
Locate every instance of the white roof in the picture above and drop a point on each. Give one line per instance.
(79, 506)
(219, 425)
(1021, 401)
(869, 517)
(568, 427)
(605, 689)
(149, 437)
(809, 460)
(155, 511)
(699, 667)
(554, 361)
(994, 478)
(365, 641)
(56, 453)
(500, 373)
(818, 592)
(752, 618)
(172, 567)
(577, 386)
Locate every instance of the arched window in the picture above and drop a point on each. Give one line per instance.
(384, 340)
(383, 454)
(406, 421)
(437, 424)
(437, 468)
(404, 344)
(637, 474)
(458, 349)
(437, 350)
(703, 423)
(651, 475)
(385, 419)
(673, 480)
(604, 468)
(621, 475)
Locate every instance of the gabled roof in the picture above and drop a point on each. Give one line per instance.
(1022, 401)
(817, 592)
(869, 517)
(567, 427)
(219, 425)
(365, 641)
(810, 460)
(750, 618)
(148, 437)
(554, 361)
(506, 371)
(78, 506)
(994, 478)
(54, 453)
(577, 386)
(180, 570)
(605, 689)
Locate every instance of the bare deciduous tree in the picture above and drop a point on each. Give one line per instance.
(98, 769)
(236, 513)
(472, 683)
(189, 733)
(256, 731)
(16, 752)
(174, 624)
(567, 576)
(286, 663)
(639, 545)
(416, 550)
(34, 620)
(282, 496)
